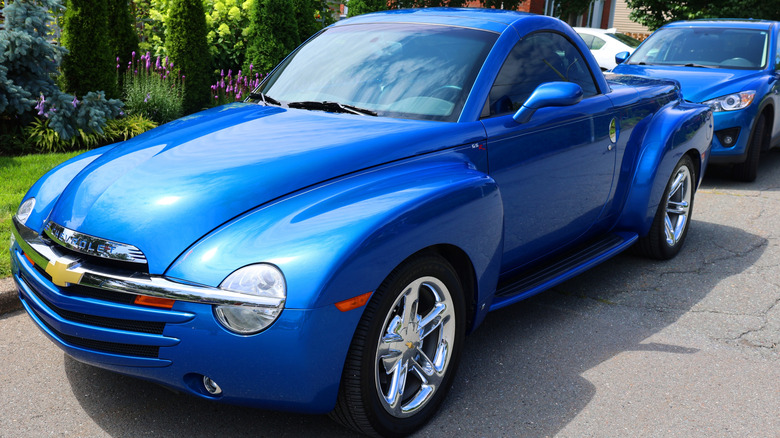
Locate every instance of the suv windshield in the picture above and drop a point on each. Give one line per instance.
(705, 47)
(394, 70)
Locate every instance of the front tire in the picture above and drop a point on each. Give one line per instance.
(670, 225)
(405, 351)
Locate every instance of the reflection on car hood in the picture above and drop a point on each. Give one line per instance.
(697, 84)
(164, 189)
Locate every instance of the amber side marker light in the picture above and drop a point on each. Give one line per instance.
(164, 303)
(28, 258)
(354, 302)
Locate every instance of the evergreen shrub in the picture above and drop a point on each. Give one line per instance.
(185, 42)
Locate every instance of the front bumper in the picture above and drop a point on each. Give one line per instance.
(742, 119)
(293, 365)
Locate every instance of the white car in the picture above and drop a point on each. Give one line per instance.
(604, 44)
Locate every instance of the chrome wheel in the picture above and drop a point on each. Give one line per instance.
(673, 216)
(678, 206)
(415, 346)
(405, 350)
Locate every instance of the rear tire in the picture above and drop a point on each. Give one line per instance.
(405, 351)
(748, 170)
(670, 225)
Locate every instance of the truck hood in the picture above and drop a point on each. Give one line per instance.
(165, 189)
(697, 84)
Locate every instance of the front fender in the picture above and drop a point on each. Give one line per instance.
(677, 129)
(341, 239)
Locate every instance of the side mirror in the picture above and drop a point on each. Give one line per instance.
(549, 94)
(621, 57)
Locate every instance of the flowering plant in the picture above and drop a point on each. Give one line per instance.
(153, 88)
(235, 88)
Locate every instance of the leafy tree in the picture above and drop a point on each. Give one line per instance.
(151, 17)
(89, 63)
(359, 7)
(228, 22)
(28, 63)
(656, 13)
(185, 42)
(273, 33)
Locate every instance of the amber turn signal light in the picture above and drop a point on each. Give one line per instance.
(354, 302)
(164, 303)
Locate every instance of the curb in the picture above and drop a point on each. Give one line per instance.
(9, 297)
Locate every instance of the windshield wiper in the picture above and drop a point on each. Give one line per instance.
(690, 64)
(265, 99)
(332, 107)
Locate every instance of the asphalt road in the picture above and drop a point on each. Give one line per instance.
(687, 348)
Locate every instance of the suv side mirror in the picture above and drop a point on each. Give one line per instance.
(621, 57)
(549, 94)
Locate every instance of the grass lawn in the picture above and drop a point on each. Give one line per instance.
(17, 174)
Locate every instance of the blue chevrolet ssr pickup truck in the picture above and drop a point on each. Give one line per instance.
(326, 245)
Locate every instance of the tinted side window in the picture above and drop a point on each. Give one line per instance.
(597, 43)
(538, 58)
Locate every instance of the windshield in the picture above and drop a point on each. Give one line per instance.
(395, 70)
(625, 39)
(705, 47)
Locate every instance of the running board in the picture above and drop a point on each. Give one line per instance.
(561, 269)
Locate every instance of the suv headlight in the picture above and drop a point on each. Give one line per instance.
(261, 279)
(731, 102)
(25, 210)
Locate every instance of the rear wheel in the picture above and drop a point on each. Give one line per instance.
(405, 351)
(748, 170)
(670, 225)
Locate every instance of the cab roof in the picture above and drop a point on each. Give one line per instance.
(493, 20)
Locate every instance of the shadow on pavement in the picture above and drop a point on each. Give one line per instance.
(521, 370)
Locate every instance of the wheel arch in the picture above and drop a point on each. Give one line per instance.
(768, 112)
(461, 262)
(676, 130)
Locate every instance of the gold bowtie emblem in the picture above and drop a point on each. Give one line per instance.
(63, 272)
(409, 345)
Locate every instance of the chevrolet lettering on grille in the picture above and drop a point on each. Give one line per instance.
(91, 245)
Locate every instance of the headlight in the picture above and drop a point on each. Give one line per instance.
(25, 210)
(731, 102)
(261, 279)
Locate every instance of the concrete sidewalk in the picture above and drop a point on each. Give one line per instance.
(9, 297)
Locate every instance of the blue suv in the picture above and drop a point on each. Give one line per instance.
(731, 65)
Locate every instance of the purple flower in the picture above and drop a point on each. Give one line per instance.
(222, 73)
(146, 99)
(238, 96)
(133, 54)
(117, 66)
(74, 102)
(157, 64)
(230, 72)
(216, 97)
(40, 105)
(182, 77)
(251, 66)
(117, 59)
